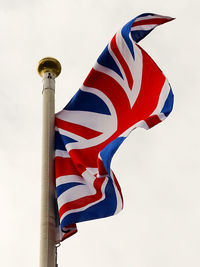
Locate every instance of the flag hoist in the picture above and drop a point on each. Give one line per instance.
(48, 69)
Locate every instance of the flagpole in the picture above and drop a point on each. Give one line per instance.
(48, 69)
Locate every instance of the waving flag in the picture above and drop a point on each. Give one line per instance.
(124, 90)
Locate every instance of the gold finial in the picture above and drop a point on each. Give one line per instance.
(49, 64)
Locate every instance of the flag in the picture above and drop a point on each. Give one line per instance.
(124, 90)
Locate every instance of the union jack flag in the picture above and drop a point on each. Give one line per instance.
(124, 90)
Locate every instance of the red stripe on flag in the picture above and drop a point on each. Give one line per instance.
(64, 166)
(122, 61)
(80, 130)
(84, 201)
(151, 87)
(157, 21)
(152, 121)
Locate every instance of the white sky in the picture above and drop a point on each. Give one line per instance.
(158, 170)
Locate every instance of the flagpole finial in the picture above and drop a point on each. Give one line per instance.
(49, 64)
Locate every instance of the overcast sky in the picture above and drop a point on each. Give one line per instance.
(158, 169)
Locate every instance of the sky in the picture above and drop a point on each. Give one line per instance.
(158, 169)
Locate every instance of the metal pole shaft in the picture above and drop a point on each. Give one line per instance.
(48, 227)
(47, 238)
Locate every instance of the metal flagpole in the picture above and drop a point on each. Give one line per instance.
(49, 69)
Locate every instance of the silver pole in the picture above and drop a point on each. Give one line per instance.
(49, 69)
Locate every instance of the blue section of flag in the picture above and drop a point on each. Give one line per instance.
(59, 142)
(139, 35)
(67, 140)
(64, 187)
(106, 60)
(146, 14)
(62, 140)
(125, 34)
(86, 101)
(104, 208)
(168, 104)
(108, 152)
